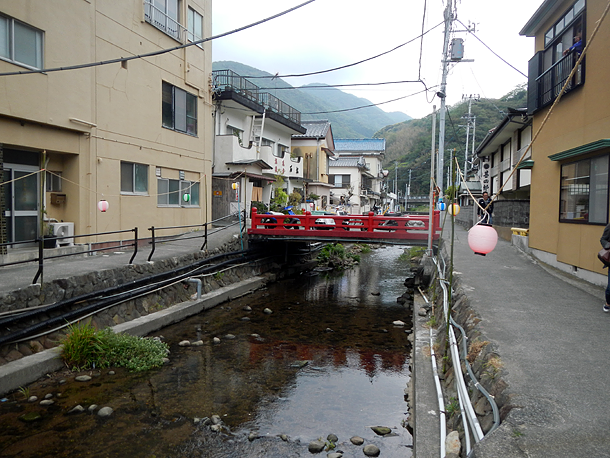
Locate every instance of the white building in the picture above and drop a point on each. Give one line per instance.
(357, 175)
(252, 143)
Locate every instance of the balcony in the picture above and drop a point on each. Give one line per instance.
(544, 88)
(227, 81)
(162, 21)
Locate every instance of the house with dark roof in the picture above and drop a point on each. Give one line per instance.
(357, 175)
(504, 170)
(315, 149)
(252, 144)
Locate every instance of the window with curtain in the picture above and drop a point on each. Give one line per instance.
(20, 43)
(134, 178)
(584, 191)
(174, 193)
(179, 109)
(195, 26)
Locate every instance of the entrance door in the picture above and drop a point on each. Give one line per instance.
(21, 197)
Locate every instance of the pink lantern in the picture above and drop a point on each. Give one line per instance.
(102, 206)
(482, 239)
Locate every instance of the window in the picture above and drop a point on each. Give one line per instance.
(179, 110)
(134, 178)
(584, 191)
(281, 151)
(53, 181)
(339, 181)
(173, 192)
(20, 43)
(195, 26)
(164, 15)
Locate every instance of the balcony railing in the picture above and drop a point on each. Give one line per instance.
(550, 82)
(228, 80)
(163, 22)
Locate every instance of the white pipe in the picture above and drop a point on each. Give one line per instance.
(439, 395)
(198, 281)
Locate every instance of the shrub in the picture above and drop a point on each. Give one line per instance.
(86, 348)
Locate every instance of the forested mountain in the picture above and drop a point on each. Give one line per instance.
(408, 143)
(361, 123)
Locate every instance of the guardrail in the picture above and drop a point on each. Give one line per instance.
(41, 245)
(154, 237)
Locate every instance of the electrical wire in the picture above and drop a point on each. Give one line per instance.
(319, 72)
(491, 50)
(332, 86)
(366, 106)
(156, 53)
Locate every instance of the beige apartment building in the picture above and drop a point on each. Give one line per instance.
(136, 132)
(570, 161)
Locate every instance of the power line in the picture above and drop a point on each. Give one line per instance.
(296, 75)
(492, 51)
(155, 53)
(366, 106)
(332, 86)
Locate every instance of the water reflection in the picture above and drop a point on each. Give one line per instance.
(256, 379)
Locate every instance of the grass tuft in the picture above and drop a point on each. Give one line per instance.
(85, 348)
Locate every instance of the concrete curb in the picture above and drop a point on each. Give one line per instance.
(426, 431)
(29, 369)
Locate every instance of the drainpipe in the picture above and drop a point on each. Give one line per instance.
(198, 281)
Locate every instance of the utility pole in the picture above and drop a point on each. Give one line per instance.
(469, 122)
(431, 209)
(442, 94)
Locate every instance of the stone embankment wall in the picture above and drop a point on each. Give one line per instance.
(482, 356)
(49, 293)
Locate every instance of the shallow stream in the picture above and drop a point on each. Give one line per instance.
(326, 360)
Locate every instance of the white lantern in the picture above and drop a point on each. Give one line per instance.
(482, 239)
(102, 206)
(454, 209)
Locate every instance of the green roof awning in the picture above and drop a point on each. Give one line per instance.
(579, 150)
(526, 164)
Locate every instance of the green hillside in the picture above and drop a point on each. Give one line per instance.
(408, 143)
(361, 123)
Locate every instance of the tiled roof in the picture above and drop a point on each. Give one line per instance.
(315, 129)
(360, 144)
(344, 162)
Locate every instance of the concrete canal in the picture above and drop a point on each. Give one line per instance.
(306, 357)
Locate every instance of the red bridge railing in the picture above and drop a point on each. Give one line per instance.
(408, 227)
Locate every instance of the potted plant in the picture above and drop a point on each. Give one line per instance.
(50, 239)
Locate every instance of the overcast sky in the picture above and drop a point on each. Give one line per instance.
(331, 33)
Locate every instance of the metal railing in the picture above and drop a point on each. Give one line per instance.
(162, 21)
(40, 242)
(553, 79)
(228, 80)
(172, 238)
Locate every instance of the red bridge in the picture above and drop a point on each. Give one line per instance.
(410, 229)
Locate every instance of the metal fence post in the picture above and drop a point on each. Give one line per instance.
(135, 249)
(152, 230)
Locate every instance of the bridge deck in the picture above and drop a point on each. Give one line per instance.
(411, 229)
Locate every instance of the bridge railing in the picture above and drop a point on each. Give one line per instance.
(408, 227)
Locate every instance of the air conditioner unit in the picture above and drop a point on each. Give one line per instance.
(64, 230)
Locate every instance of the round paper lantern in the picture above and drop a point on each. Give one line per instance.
(441, 205)
(482, 239)
(102, 206)
(186, 197)
(454, 209)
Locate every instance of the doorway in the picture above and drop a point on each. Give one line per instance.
(21, 196)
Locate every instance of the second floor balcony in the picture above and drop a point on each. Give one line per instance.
(544, 85)
(228, 82)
